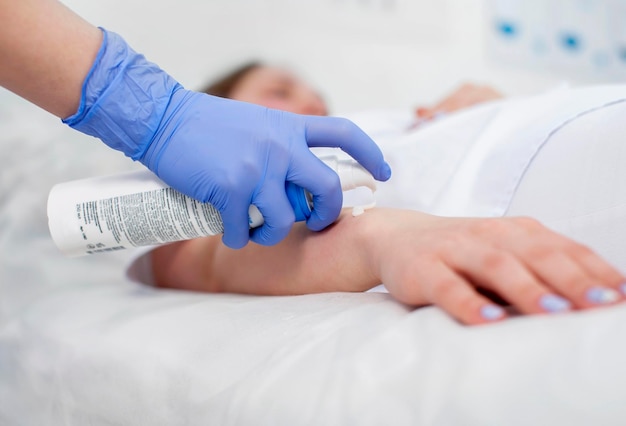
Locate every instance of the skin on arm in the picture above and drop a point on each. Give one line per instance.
(47, 51)
(304, 262)
(422, 259)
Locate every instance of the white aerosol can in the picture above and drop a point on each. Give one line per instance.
(135, 209)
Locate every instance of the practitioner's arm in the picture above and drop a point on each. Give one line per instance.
(46, 50)
(228, 153)
(422, 259)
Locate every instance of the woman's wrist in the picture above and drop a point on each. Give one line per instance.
(372, 237)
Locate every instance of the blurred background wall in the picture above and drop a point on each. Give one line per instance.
(380, 53)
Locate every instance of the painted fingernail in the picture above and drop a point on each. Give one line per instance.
(623, 289)
(491, 312)
(602, 295)
(553, 303)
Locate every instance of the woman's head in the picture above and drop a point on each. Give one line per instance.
(269, 86)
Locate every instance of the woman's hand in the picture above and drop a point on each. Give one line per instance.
(423, 259)
(463, 97)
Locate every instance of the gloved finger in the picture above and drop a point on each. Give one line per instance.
(310, 173)
(277, 213)
(236, 224)
(342, 133)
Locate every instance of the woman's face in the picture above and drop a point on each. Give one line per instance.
(278, 89)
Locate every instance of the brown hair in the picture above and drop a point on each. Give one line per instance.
(224, 86)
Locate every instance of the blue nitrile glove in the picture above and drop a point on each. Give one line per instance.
(228, 153)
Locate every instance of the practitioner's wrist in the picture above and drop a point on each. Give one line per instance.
(124, 98)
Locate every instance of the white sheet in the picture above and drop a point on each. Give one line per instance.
(81, 344)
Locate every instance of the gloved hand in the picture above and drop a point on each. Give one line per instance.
(228, 153)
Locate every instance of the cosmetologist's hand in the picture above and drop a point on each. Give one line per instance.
(228, 153)
(233, 154)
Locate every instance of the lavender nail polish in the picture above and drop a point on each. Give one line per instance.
(623, 289)
(553, 303)
(491, 312)
(602, 295)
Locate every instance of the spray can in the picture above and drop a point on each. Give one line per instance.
(110, 213)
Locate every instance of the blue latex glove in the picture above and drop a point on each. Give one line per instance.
(228, 153)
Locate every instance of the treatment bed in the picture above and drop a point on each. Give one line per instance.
(83, 344)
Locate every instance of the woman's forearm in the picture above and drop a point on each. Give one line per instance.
(47, 51)
(305, 262)
(422, 259)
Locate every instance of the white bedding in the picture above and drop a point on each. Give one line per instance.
(80, 344)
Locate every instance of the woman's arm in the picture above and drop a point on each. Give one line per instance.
(46, 50)
(305, 262)
(422, 259)
(463, 97)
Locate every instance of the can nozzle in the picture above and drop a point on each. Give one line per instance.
(351, 174)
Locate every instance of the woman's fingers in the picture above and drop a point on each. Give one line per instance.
(443, 286)
(572, 270)
(521, 261)
(508, 276)
(599, 268)
(569, 274)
